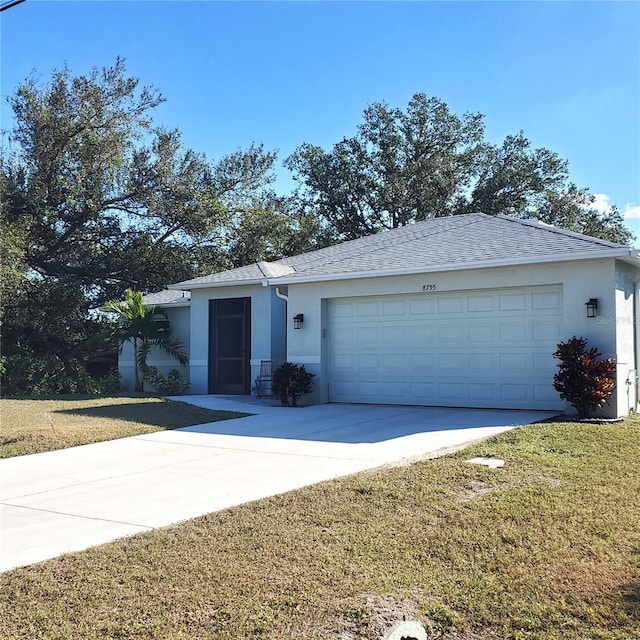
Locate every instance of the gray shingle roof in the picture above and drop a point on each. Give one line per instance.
(241, 275)
(167, 297)
(445, 242)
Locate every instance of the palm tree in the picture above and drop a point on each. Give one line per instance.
(144, 327)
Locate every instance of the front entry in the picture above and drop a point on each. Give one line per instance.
(230, 346)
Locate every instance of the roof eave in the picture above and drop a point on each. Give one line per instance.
(185, 286)
(629, 255)
(173, 305)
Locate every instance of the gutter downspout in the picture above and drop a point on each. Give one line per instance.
(280, 295)
(284, 297)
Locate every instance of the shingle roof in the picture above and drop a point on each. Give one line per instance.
(448, 242)
(167, 297)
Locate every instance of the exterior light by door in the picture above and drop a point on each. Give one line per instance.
(592, 305)
(298, 320)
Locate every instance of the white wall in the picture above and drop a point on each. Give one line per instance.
(627, 279)
(580, 280)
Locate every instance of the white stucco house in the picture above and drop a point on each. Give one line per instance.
(461, 311)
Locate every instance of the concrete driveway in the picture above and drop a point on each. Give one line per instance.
(68, 500)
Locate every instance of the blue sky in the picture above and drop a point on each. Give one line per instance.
(233, 73)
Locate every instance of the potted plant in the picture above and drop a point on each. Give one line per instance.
(290, 382)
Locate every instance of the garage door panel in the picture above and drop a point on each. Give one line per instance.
(477, 349)
(396, 389)
(482, 361)
(547, 331)
(368, 309)
(422, 307)
(513, 302)
(482, 392)
(452, 304)
(368, 389)
(367, 361)
(451, 334)
(343, 335)
(544, 394)
(451, 362)
(343, 361)
(367, 336)
(543, 361)
(452, 391)
(397, 361)
(395, 308)
(514, 392)
(515, 361)
(483, 333)
(515, 332)
(423, 334)
(394, 335)
(547, 300)
(481, 303)
(421, 364)
(343, 309)
(423, 389)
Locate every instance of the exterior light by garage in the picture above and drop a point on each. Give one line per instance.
(592, 306)
(298, 320)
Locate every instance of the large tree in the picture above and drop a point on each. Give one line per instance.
(518, 180)
(272, 228)
(96, 199)
(424, 162)
(401, 166)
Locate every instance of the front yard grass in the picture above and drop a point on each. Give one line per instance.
(31, 425)
(546, 548)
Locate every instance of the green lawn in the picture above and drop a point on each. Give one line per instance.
(546, 548)
(32, 425)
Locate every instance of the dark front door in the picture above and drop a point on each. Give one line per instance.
(230, 345)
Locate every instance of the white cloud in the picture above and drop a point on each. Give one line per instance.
(631, 211)
(602, 202)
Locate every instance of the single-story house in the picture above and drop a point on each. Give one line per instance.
(461, 311)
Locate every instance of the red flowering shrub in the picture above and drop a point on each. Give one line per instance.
(583, 380)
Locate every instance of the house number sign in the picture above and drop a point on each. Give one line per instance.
(428, 287)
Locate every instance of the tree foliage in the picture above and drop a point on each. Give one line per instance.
(99, 189)
(270, 230)
(401, 166)
(424, 162)
(96, 199)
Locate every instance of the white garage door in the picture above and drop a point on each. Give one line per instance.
(489, 348)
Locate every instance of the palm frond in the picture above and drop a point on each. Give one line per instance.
(173, 348)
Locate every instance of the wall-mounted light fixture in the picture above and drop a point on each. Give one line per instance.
(298, 320)
(592, 306)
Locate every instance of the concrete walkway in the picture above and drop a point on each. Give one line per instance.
(68, 500)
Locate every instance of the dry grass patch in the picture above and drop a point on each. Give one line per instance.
(32, 425)
(551, 552)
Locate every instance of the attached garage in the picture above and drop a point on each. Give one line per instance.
(490, 348)
(459, 311)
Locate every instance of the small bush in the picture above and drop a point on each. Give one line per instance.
(586, 382)
(110, 384)
(26, 372)
(173, 384)
(290, 382)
